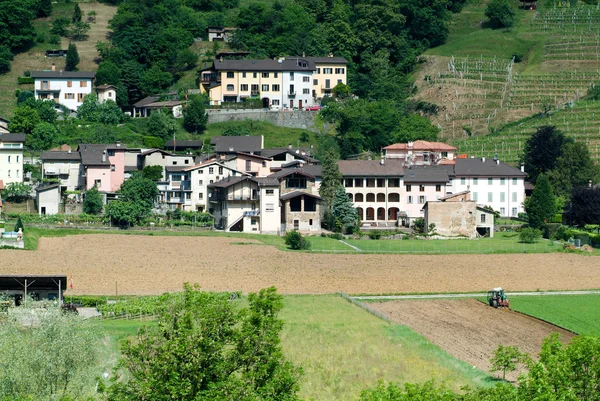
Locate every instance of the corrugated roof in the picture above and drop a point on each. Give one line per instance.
(489, 168)
(371, 168)
(426, 174)
(63, 74)
(422, 145)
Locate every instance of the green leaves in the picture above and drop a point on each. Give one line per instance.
(541, 206)
(344, 213)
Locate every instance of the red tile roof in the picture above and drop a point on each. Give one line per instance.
(422, 145)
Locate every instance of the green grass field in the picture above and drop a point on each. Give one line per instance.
(578, 313)
(343, 349)
(501, 243)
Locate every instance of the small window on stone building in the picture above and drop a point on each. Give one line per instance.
(483, 218)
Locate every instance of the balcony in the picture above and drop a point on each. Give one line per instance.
(180, 185)
(291, 93)
(225, 197)
(210, 78)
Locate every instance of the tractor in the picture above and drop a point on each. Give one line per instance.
(496, 298)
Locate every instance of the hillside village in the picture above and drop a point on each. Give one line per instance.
(391, 200)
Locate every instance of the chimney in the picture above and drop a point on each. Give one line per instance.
(590, 183)
(410, 144)
(118, 144)
(483, 159)
(290, 146)
(523, 168)
(497, 161)
(104, 156)
(330, 55)
(221, 59)
(53, 67)
(382, 161)
(69, 150)
(303, 54)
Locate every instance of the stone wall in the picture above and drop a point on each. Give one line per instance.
(452, 218)
(289, 119)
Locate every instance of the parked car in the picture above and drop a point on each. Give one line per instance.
(314, 107)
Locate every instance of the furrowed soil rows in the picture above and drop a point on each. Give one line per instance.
(470, 330)
(146, 265)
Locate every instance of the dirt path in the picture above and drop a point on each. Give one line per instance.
(470, 330)
(153, 265)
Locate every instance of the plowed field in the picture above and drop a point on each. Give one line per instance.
(153, 265)
(470, 330)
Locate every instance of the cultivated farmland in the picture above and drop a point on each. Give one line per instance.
(149, 265)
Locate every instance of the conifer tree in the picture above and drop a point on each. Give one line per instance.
(541, 207)
(344, 213)
(72, 58)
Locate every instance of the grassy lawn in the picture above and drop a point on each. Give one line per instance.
(578, 313)
(501, 243)
(342, 349)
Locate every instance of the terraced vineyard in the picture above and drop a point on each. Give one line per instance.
(582, 19)
(581, 122)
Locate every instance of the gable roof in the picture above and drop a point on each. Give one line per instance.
(295, 194)
(300, 153)
(283, 64)
(488, 168)
(105, 87)
(371, 168)
(450, 196)
(184, 144)
(229, 181)
(234, 144)
(8, 137)
(60, 155)
(289, 171)
(426, 174)
(91, 154)
(422, 145)
(47, 187)
(63, 74)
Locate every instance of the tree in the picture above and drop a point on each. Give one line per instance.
(342, 91)
(529, 235)
(19, 225)
(16, 30)
(541, 206)
(344, 213)
(501, 13)
(65, 343)
(542, 151)
(415, 127)
(294, 240)
(332, 178)
(72, 58)
(155, 81)
(108, 74)
(135, 202)
(6, 57)
(44, 8)
(24, 95)
(88, 110)
(208, 347)
(17, 192)
(584, 206)
(573, 168)
(506, 359)
(93, 202)
(80, 30)
(24, 120)
(194, 114)
(77, 14)
(42, 136)
(109, 113)
(125, 213)
(45, 109)
(153, 173)
(161, 124)
(60, 26)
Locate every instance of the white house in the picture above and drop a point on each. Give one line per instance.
(106, 92)
(420, 152)
(11, 157)
(47, 199)
(64, 165)
(492, 183)
(297, 87)
(68, 88)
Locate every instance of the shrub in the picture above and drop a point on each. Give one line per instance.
(294, 240)
(419, 224)
(501, 13)
(551, 230)
(374, 234)
(529, 235)
(584, 237)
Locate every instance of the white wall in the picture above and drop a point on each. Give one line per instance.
(70, 169)
(50, 200)
(270, 220)
(11, 163)
(201, 177)
(62, 84)
(297, 79)
(511, 189)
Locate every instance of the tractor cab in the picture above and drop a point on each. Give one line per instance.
(496, 298)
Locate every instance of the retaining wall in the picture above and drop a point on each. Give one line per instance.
(289, 119)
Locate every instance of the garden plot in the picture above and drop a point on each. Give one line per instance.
(470, 330)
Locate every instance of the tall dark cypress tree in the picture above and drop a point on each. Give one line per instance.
(72, 58)
(541, 207)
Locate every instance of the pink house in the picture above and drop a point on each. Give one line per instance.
(255, 165)
(103, 166)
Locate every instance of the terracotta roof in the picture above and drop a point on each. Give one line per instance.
(422, 145)
(447, 162)
(371, 168)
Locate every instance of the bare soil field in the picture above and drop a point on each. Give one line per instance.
(470, 330)
(139, 264)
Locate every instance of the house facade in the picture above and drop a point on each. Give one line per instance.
(462, 217)
(419, 153)
(11, 157)
(106, 92)
(47, 199)
(68, 88)
(66, 166)
(329, 71)
(103, 165)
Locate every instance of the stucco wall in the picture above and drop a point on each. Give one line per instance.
(289, 119)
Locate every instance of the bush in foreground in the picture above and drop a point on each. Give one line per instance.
(529, 235)
(296, 241)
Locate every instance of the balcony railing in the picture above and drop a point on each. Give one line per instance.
(224, 197)
(181, 185)
(210, 78)
(291, 93)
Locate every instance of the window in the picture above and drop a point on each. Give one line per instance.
(502, 197)
(211, 170)
(270, 192)
(438, 188)
(254, 88)
(265, 75)
(45, 85)
(188, 195)
(296, 182)
(112, 167)
(463, 181)
(69, 96)
(475, 196)
(83, 84)
(18, 174)
(264, 163)
(408, 188)
(358, 182)
(490, 196)
(444, 154)
(69, 84)
(394, 182)
(475, 181)
(483, 218)
(275, 102)
(269, 207)
(502, 181)
(80, 97)
(253, 221)
(17, 159)
(186, 161)
(339, 81)
(200, 196)
(305, 79)
(348, 182)
(514, 196)
(248, 165)
(265, 88)
(380, 182)
(174, 162)
(327, 70)
(98, 183)
(421, 188)
(502, 211)
(409, 200)
(318, 70)
(243, 75)
(514, 212)
(291, 76)
(339, 70)
(9, 158)
(199, 182)
(200, 172)
(9, 173)
(276, 74)
(229, 74)
(220, 170)
(211, 181)
(422, 199)
(275, 88)
(306, 91)
(254, 75)
(327, 84)
(514, 181)
(244, 87)
(310, 222)
(315, 82)
(230, 88)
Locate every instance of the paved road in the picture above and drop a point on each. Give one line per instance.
(472, 295)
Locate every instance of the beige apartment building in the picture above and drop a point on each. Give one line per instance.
(329, 71)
